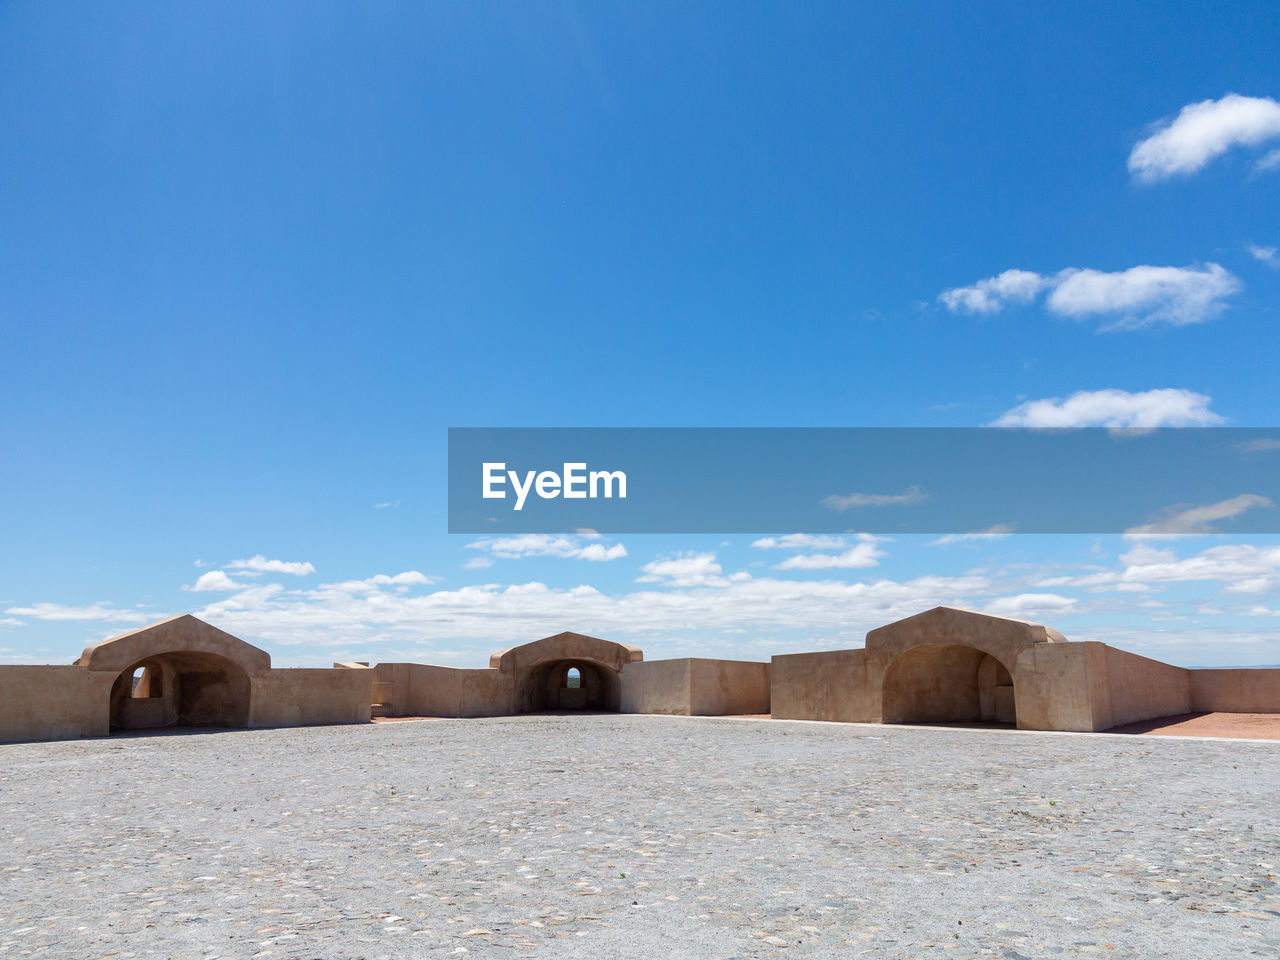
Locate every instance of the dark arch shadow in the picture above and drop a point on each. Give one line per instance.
(180, 689)
(948, 683)
(545, 686)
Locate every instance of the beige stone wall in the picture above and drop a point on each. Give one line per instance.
(1054, 690)
(52, 703)
(841, 685)
(656, 686)
(720, 688)
(1249, 690)
(485, 693)
(1141, 688)
(307, 697)
(423, 690)
(695, 686)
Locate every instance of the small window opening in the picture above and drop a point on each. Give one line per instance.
(146, 684)
(573, 679)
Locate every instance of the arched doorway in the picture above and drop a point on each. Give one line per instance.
(181, 688)
(568, 685)
(948, 683)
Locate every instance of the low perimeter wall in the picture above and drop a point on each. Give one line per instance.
(1245, 690)
(841, 685)
(300, 697)
(1086, 686)
(422, 690)
(696, 687)
(52, 703)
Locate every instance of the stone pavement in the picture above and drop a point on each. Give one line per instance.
(638, 836)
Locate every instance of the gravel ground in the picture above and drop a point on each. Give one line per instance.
(635, 836)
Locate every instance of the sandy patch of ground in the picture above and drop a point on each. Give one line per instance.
(1255, 726)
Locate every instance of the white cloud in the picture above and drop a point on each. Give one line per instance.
(1140, 296)
(386, 505)
(684, 570)
(260, 564)
(549, 545)
(800, 541)
(1115, 409)
(1268, 255)
(994, 293)
(1261, 445)
(600, 551)
(997, 532)
(400, 581)
(12, 622)
(863, 554)
(478, 563)
(98, 611)
(1202, 132)
(1146, 564)
(1195, 521)
(1144, 296)
(1026, 605)
(498, 615)
(1269, 162)
(912, 495)
(214, 580)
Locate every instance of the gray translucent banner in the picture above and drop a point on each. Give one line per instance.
(872, 479)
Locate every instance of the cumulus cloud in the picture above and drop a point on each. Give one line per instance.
(104, 612)
(864, 553)
(214, 580)
(1185, 521)
(401, 581)
(1269, 162)
(912, 495)
(1145, 565)
(998, 531)
(549, 545)
(800, 541)
(497, 615)
(260, 564)
(684, 570)
(1202, 132)
(1116, 409)
(1140, 296)
(1027, 605)
(1144, 296)
(1268, 255)
(994, 293)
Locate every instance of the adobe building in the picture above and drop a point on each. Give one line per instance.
(948, 665)
(570, 671)
(943, 666)
(178, 672)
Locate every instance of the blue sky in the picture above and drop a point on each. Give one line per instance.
(255, 259)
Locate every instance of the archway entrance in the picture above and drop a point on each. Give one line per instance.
(568, 685)
(948, 683)
(180, 689)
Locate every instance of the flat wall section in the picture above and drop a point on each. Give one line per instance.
(310, 697)
(840, 685)
(52, 703)
(1252, 690)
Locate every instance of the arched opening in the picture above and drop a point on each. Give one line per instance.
(180, 689)
(948, 683)
(568, 685)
